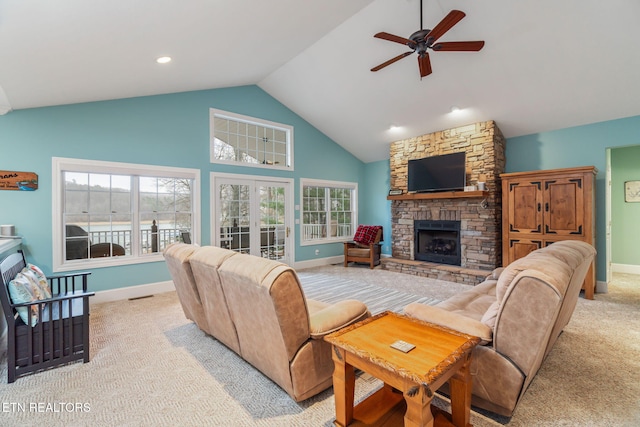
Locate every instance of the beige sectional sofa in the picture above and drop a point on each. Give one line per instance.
(257, 308)
(519, 312)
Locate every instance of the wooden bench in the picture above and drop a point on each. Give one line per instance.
(61, 333)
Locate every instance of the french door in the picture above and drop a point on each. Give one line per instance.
(253, 216)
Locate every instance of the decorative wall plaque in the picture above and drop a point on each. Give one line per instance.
(12, 180)
(632, 191)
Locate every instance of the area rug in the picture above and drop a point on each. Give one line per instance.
(326, 288)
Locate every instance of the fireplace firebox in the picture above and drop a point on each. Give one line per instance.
(437, 241)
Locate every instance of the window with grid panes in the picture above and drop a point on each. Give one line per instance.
(328, 211)
(249, 141)
(114, 213)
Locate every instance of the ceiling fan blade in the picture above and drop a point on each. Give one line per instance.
(391, 61)
(425, 65)
(445, 25)
(458, 46)
(392, 38)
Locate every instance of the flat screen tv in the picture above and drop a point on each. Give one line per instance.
(437, 173)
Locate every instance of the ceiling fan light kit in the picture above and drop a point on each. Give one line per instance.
(424, 39)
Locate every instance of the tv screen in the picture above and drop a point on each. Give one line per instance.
(437, 173)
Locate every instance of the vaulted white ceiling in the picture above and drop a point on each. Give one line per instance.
(546, 64)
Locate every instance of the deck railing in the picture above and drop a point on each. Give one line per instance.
(319, 231)
(150, 241)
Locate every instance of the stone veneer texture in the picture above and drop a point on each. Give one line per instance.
(480, 237)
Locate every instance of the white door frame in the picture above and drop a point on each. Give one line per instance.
(289, 256)
(607, 216)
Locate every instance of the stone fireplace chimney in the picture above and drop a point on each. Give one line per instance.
(479, 213)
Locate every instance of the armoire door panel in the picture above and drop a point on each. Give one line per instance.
(525, 200)
(519, 248)
(564, 207)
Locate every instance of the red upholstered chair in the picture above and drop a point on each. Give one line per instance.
(365, 247)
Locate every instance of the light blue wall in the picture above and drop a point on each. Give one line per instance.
(625, 217)
(577, 146)
(374, 207)
(168, 130)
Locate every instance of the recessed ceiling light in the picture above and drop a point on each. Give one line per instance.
(394, 128)
(455, 109)
(163, 59)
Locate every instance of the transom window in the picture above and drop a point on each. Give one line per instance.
(249, 141)
(329, 211)
(115, 213)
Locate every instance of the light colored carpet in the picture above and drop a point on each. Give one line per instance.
(152, 367)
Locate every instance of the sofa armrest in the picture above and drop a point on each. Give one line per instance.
(336, 316)
(448, 319)
(495, 274)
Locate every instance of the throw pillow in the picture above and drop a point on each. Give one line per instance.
(37, 276)
(22, 290)
(366, 234)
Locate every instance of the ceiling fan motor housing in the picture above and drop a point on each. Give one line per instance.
(419, 44)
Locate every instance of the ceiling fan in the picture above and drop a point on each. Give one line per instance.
(422, 40)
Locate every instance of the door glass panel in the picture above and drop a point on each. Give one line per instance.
(234, 215)
(272, 221)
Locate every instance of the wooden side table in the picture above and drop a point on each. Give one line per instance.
(410, 378)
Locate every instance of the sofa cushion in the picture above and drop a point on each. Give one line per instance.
(335, 316)
(177, 257)
(537, 261)
(474, 302)
(448, 319)
(205, 262)
(358, 252)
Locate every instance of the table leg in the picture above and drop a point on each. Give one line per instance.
(418, 407)
(461, 385)
(344, 383)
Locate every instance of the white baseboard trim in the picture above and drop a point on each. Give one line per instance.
(601, 287)
(138, 291)
(339, 259)
(625, 268)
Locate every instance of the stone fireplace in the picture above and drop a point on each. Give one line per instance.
(477, 214)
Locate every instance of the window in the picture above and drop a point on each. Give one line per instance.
(329, 211)
(109, 213)
(251, 142)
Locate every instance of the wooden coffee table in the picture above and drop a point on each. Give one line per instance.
(410, 379)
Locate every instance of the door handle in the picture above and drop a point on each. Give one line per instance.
(288, 229)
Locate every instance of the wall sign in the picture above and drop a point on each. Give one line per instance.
(12, 180)
(632, 191)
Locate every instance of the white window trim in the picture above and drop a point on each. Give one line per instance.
(251, 120)
(304, 182)
(60, 164)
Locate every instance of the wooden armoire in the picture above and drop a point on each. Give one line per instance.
(542, 207)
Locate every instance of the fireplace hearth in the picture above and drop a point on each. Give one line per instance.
(437, 241)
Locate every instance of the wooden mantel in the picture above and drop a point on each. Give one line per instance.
(440, 195)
